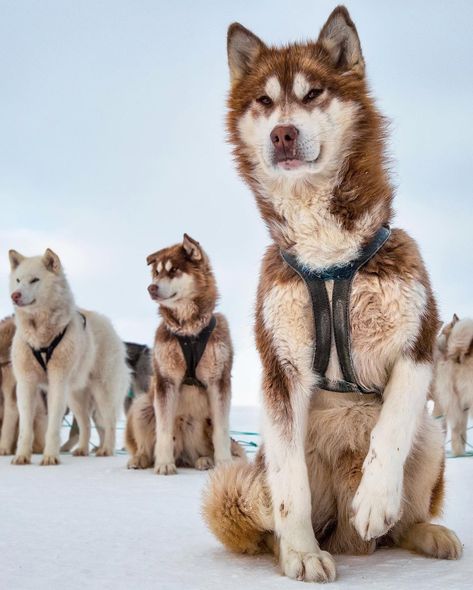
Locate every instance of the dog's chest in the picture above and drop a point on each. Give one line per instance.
(384, 317)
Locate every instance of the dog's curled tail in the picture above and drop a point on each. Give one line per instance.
(237, 508)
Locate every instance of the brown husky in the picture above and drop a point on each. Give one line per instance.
(190, 389)
(339, 472)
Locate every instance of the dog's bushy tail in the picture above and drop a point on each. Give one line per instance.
(237, 508)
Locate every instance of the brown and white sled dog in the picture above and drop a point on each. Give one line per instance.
(73, 354)
(452, 389)
(8, 407)
(339, 472)
(184, 420)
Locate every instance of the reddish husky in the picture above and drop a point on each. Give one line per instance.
(190, 391)
(339, 472)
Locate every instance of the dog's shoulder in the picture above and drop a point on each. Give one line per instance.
(398, 258)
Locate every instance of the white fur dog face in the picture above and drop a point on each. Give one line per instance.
(33, 280)
(323, 124)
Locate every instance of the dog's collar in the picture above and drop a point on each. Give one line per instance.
(193, 348)
(336, 317)
(43, 355)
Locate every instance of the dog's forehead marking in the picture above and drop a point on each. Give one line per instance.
(159, 266)
(300, 85)
(273, 88)
(168, 265)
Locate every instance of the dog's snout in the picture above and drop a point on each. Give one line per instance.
(16, 296)
(153, 290)
(284, 138)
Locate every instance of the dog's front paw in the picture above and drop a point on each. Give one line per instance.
(165, 468)
(139, 462)
(4, 451)
(21, 460)
(377, 503)
(50, 460)
(307, 567)
(103, 452)
(80, 452)
(204, 463)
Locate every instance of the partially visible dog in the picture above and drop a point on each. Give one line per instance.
(8, 407)
(184, 420)
(73, 354)
(138, 358)
(452, 389)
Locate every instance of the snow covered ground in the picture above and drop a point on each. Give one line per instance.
(92, 524)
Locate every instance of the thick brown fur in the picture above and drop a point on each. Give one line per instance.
(310, 142)
(196, 417)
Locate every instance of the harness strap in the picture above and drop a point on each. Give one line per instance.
(193, 348)
(43, 355)
(338, 316)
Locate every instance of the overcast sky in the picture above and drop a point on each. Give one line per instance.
(112, 143)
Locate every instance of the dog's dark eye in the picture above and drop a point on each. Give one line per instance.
(17, 280)
(312, 94)
(35, 280)
(265, 100)
(172, 270)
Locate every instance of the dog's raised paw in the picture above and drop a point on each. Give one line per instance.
(204, 463)
(308, 567)
(165, 469)
(21, 460)
(50, 460)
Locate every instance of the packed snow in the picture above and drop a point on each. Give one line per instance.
(91, 523)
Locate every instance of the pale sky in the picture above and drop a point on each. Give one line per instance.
(112, 143)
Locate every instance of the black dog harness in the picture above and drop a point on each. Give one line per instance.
(337, 316)
(43, 355)
(193, 347)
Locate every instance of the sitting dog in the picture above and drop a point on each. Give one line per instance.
(452, 389)
(74, 355)
(345, 321)
(185, 418)
(8, 407)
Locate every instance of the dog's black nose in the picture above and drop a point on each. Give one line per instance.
(284, 139)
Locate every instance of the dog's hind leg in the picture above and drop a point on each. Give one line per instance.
(78, 402)
(423, 499)
(106, 417)
(140, 433)
(459, 428)
(237, 507)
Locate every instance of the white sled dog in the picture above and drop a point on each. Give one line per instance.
(345, 321)
(73, 354)
(452, 389)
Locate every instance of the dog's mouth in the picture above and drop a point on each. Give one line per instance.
(297, 163)
(22, 304)
(160, 298)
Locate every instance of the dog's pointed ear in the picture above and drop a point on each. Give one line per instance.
(455, 319)
(51, 261)
(243, 47)
(192, 248)
(15, 259)
(152, 258)
(340, 39)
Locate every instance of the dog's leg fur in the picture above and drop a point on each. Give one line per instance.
(140, 433)
(57, 395)
(377, 502)
(80, 411)
(165, 403)
(10, 413)
(459, 424)
(219, 398)
(26, 392)
(40, 425)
